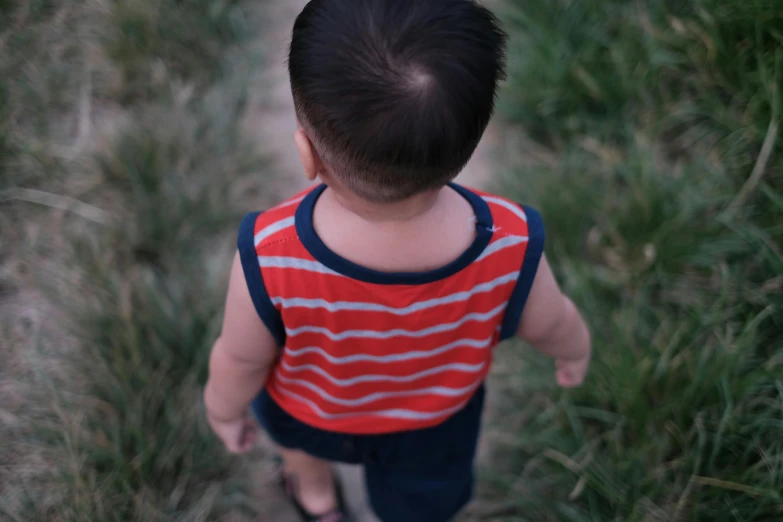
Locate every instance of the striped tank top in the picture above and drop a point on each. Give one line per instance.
(369, 352)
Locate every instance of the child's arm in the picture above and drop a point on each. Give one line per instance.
(238, 367)
(552, 325)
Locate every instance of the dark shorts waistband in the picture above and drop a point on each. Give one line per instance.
(420, 475)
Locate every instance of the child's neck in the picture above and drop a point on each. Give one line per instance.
(402, 211)
(422, 233)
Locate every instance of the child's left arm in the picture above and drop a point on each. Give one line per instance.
(240, 361)
(554, 327)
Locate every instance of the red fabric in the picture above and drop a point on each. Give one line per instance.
(335, 375)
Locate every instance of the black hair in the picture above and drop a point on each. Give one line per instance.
(395, 94)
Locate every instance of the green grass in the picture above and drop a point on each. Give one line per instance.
(157, 41)
(142, 445)
(154, 288)
(175, 174)
(127, 247)
(7, 148)
(38, 56)
(657, 113)
(706, 71)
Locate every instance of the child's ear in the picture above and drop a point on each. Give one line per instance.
(311, 161)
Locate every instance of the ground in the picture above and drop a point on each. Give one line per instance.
(135, 134)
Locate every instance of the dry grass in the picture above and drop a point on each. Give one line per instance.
(123, 172)
(122, 166)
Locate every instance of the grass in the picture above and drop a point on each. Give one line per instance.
(663, 212)
(156, 41)
(7, 151)
(176, 172)
(155, 280)
(126, 247)
(663, 209)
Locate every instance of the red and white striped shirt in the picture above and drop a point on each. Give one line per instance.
(367, 352)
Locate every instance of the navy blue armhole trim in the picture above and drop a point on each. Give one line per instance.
(535, 249)
(255, 283)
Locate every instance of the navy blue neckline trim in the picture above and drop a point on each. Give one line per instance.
(317, 248)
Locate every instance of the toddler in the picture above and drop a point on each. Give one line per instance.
(362, 315)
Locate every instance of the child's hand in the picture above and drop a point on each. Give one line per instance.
(239, 435)
(571, 372)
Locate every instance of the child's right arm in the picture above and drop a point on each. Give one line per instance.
(238, 367)
(553, 326)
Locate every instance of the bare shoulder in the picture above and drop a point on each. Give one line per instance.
(545, 305)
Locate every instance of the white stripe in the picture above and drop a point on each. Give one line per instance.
(454, 367)
(398, 332)
(289, 203)
(502, 244)
(338, 306)
(510, 206)
(395, 413)
(476, 344)
(441, 391)
(275, 227)
(296, 263)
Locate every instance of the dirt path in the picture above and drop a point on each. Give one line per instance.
(272, 118)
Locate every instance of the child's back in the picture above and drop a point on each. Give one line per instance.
(379, 351)
(367, 308)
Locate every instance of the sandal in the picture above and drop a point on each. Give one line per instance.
(338, 514)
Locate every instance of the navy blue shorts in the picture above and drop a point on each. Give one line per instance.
(413, 476)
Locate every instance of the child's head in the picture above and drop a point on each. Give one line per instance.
(394, 95)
